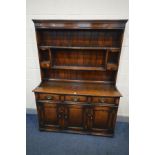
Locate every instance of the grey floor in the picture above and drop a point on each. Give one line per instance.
(51, 143)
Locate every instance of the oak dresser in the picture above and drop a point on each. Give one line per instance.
(79, 61)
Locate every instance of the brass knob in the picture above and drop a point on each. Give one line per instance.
(49, 97)
(102, 100)
(59, 116)
(66, 116)
(89, 115)
(75, 99)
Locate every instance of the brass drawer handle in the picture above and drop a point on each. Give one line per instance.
(102, 100)
(90, 116)
(49, 97)
(75, 99)
(59, 116)
(89, 113)
(66, 116)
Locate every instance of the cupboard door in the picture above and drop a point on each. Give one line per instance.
(48, 116)
(75, 117)
(103, 118)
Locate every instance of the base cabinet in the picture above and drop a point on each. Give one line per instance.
(77, 117)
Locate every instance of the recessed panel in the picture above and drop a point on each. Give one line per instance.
(89, 58)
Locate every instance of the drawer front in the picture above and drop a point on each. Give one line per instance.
(48, 97)
(103, 100)
(75, 98)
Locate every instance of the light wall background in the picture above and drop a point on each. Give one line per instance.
(75, 9)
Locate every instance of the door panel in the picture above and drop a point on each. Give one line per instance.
(75, 117)
(49, 115)
(103, 118)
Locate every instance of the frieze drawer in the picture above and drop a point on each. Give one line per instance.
(41, 96)
(75, 98)
(111, 100)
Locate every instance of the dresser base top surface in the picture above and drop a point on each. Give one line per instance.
(77, 88)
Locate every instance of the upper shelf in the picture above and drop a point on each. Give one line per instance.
(114, 49)
(79, 68)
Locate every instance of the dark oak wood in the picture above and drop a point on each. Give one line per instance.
(79, 61)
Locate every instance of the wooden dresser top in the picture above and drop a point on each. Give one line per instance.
(78, 88)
